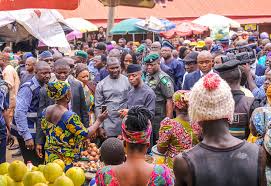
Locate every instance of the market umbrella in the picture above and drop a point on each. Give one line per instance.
(213, 20)
(185, 29)
(81, 25)
(154, 24)
(74, 35)
(127, 27)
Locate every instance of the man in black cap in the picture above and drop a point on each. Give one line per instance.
(141, 94)
(205, 64)
(244, 106)
(99, 49)
(190, 63)
(173, 67)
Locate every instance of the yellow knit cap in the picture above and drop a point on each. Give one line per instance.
(211, 99)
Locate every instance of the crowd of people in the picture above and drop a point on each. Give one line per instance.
(190, 100)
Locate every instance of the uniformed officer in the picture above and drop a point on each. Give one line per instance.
(25, 117)
(244, 106)
(163, 87)
(173, 67)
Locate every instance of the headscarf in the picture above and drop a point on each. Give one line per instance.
(136, 137)
(57, 90)
(260, 119)
(268, 94)
(267, 141)
(180, 99)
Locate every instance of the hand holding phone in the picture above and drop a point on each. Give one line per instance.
(104, 108)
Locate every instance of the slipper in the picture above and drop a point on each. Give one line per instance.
(14, 147)
(18, 153)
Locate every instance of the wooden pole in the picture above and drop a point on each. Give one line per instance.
(110, 22)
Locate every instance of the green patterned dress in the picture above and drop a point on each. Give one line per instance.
(177, 135)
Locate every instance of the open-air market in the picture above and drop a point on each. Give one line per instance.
(135, 93)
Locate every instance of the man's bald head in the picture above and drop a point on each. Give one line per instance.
(41, 65)
(115, 53)
(205, 61)
(205, 55)
(156, 46)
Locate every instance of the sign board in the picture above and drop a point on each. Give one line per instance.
(46, 4)
(135, 3)
(251, 27)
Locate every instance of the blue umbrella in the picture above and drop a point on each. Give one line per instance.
(154, 24)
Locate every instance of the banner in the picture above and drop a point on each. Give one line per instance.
(251, 27)
(220, 32)
(47, 4)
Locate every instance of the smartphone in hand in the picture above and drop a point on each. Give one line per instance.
(104, 108)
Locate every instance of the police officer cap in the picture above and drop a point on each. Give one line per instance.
(133, 68)
(140, 49)
(228, 66)
(166, 43)
(151, 58)
(82, 54)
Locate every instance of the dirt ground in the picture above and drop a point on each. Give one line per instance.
(9, 155)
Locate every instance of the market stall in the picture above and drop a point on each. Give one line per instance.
(44, 25)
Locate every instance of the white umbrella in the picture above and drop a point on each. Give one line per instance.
(213, 20)
(80, 24)
(154, 24)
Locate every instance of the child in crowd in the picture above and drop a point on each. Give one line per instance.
(112, 153)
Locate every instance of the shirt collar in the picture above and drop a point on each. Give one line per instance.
(35, 81)
(201, 73)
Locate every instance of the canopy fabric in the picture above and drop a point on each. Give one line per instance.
(80, 24)
(213, 20)
(74, 35)
(42, 24)
(127, 27)
(49, 4)
(154, 24)
(185, 29)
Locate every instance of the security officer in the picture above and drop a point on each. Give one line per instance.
(163, 87)
(25, 117)
(244, 106)
(173, 67)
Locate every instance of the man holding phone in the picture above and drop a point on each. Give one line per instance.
(112, 95)
(139, 90)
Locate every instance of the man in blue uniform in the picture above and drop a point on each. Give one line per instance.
(27, 104)
(173, 67)
(4, 103)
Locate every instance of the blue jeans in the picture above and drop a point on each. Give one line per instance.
(3, 145)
